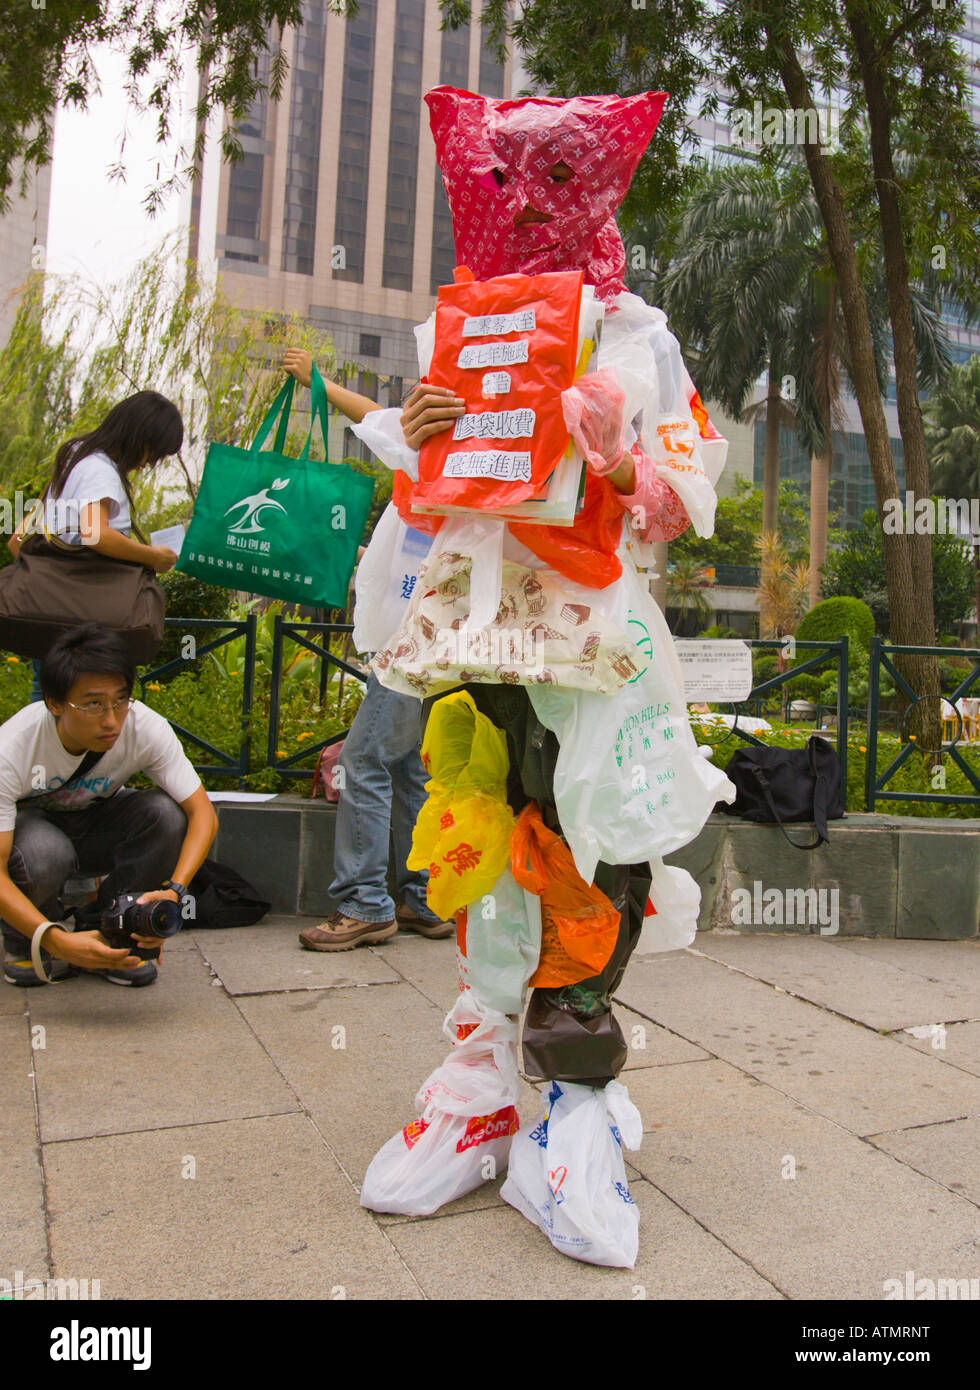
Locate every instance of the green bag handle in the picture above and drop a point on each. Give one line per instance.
(281, 407)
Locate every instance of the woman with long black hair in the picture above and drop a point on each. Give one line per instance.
(90, 493)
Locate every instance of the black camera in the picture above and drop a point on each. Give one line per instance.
(125, 918)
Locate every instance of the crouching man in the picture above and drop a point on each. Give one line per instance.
(64, 810)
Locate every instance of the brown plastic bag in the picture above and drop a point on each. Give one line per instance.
(579, 925)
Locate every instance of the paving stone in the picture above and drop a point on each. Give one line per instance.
(852, 1217)
(268, 1214)
(950, 961)
(509, 1258)
(947, 1153)
(267, 957)
(862, 865)
(958, 1045)
(653, 1046)
(263, 848)
(860, 985)
(13, 1001)
(429, 965)
(23, 1242)
(362, 1093)
(840, 1069)
(936, 899)
(176, 1053)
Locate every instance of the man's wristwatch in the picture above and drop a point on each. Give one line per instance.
(173, 887)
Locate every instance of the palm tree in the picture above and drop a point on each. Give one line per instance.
(729, 291)
(952, 421)
(685, 589)
(754, 286)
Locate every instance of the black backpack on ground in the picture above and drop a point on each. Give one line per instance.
(787, 784)
(222, 898)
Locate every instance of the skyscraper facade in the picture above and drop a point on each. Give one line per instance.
(337, 211)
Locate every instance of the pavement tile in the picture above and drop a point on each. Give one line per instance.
(175, 1053)
(840, 1069)
(267, 958)
(958, 1045)
(948, 961)
(859, 985)
(652, 1046)
(362, 1092)
(23, 1242)
(429, 965)
(499, 1254)
(851, 1217)
(947, 1153)
(13, 1001)
(268, 1214)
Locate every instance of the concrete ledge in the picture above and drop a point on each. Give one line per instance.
(896, 876)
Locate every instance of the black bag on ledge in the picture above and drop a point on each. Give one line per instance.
(787, 784)
(222, 898)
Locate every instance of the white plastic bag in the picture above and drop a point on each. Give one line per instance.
(466, 1119)
(386, 579)
(567, 1173)
(676, 900)
(503, 944)
(629, 782)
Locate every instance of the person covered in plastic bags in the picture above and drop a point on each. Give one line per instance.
(557, 784)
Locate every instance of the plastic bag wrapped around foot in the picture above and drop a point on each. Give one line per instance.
(466, 1119)
(567, 1173)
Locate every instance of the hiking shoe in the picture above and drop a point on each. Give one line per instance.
(21, 972)
(342, 933)
(432, 927)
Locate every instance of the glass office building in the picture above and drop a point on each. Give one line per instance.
(337, 211)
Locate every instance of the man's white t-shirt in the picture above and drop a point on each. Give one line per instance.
(93, 478)
(35, 765)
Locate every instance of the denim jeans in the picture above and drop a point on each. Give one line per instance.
(383, 789)
(36, 691)
(133, 837)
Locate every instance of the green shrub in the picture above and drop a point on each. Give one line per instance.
(189, 597)
(834, 618)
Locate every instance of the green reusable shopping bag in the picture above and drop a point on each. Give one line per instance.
(268, 524)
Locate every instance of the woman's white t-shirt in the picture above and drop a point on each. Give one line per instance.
(93, 478)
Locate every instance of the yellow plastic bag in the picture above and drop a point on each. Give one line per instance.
(462, 835)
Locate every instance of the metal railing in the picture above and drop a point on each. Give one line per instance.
(283, 631)
(881, 656)
(243, 627)
(822, 651)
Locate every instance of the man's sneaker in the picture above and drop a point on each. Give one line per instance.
(21, 972)
(341, 933)
(136, 978)
(432, 927)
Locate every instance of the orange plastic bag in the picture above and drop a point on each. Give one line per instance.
(579, 925)
(508, 347)
(585, 552)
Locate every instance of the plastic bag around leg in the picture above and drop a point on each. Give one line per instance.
(466, 1119)
(567, 1173)
(499, 944)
